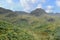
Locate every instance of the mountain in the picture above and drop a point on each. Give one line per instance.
(10, 13)
(3, 10)
(21, 12)
(38, 12)
(17, 25)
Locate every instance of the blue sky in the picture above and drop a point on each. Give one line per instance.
(29, 5)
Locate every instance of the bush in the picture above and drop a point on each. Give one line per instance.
(8, 32)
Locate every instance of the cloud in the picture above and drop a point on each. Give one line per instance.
(49, 8)
(43, 1)
(25, 5)
(39, 6)
(49, 11)
(58, 3)
(33, 1)
(9, 1)
(30, 4)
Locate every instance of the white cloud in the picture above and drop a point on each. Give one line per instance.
(33, 1)
(25, 5)
(49, 8)
(39, 6)
(23, 2)
(9, 1)
(58, 3)
(29, 4)
(49, 11)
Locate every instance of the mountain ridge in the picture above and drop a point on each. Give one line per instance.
(36, 12)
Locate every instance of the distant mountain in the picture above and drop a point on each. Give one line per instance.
(16, 13)
(3, 10)
(21, 12)
(38, 12)
(10, 13)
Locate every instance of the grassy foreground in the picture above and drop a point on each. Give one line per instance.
(30, 28)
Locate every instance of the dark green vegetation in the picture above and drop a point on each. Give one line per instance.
(38, 25)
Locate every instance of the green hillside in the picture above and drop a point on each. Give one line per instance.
(33, 26)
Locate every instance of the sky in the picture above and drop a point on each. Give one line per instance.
(29, 5)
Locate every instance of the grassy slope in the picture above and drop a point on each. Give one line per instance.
(33, 28)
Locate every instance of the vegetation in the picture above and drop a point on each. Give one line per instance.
(15, 26)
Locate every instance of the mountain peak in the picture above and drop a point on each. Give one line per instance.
(39, 9)
(38, 12)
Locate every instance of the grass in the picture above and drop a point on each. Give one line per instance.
(28, 27)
